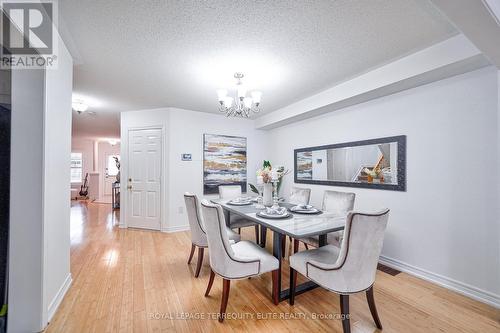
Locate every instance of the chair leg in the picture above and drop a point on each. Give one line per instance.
(200, 261)
(193, 247)
(293, 283)
(373, 308)
(210, 282)
(307, 246)
(344, 310)
(295, 245)
(226, 284)
(276, 292)
(257, 231)
(283, 245)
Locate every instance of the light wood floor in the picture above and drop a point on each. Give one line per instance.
(139, 281)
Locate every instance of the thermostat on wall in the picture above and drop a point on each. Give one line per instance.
(186, 157)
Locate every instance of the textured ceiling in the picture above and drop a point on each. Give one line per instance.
(101, 125)
(132, 55)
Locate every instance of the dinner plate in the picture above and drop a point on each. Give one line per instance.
(239, 203)
(273, 216)
(304, 211)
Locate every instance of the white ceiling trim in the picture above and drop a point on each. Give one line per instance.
(453, 56)
(478, 20)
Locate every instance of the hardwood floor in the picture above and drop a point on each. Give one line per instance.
(139, 281)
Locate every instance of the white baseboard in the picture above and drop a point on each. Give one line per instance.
(176, 228)
(54, 305)
(460, 287)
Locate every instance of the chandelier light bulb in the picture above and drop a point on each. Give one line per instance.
(228, 102)
(247, 101)
(241, 92)
(221, 94)
(79, 106)
(256, 96)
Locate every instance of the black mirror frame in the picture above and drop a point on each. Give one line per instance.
(401, 186)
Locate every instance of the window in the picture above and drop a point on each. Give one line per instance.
(112, 168)
(76, 167)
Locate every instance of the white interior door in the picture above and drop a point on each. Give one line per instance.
(110, 171)
(144, 176)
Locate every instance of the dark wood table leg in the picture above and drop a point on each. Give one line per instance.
(277, 238)
(227, 216)
(322, 240)
(263, 236)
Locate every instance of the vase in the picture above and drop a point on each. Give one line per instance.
(268, 195)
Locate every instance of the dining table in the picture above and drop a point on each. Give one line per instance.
(295, 226)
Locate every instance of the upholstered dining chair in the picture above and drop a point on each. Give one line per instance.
(350, 269)
(337, 203)
(234, 261)
(198, 234)
(300, 196)
(228, 192)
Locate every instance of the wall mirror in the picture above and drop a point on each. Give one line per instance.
(378, 164)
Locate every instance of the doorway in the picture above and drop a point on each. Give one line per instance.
(144, 178)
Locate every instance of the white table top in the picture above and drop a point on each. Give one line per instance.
(297, 226)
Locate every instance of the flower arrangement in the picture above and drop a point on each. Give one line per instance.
(268, 174)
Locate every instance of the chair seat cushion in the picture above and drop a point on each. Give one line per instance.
(326, 254)
(333, 238)
(247, 250)
(240, 222)
(233, 236)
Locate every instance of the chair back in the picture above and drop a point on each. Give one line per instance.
(198, 235)
(300, 196)
(360, 250)
(227, 192)
(223, 260)
(219, 247)
(338, 203)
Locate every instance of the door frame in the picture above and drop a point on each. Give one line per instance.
(124, 193)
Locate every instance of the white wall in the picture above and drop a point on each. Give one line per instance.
(86, 147)
(39, 272)
(184, 131)
(498, 161)
(26, 206)
(445, 226)
(57, 152)
(186, 136)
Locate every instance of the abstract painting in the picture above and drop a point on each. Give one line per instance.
(304, 165)
(224, 162)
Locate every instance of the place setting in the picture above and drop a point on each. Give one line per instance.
(274, 213)
(240, 201)
(305, 209)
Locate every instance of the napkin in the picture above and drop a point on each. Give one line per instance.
(302, 207)
(278, 211)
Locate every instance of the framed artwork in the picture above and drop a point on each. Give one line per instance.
(224, 162)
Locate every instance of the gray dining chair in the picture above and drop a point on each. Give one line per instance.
(300, 196)
(337, 203)
(228, 192)
(350, 269)
(198, 233)
(234, 261)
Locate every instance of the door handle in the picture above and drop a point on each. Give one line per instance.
(129, 187)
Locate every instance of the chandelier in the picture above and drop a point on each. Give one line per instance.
(242, 105)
